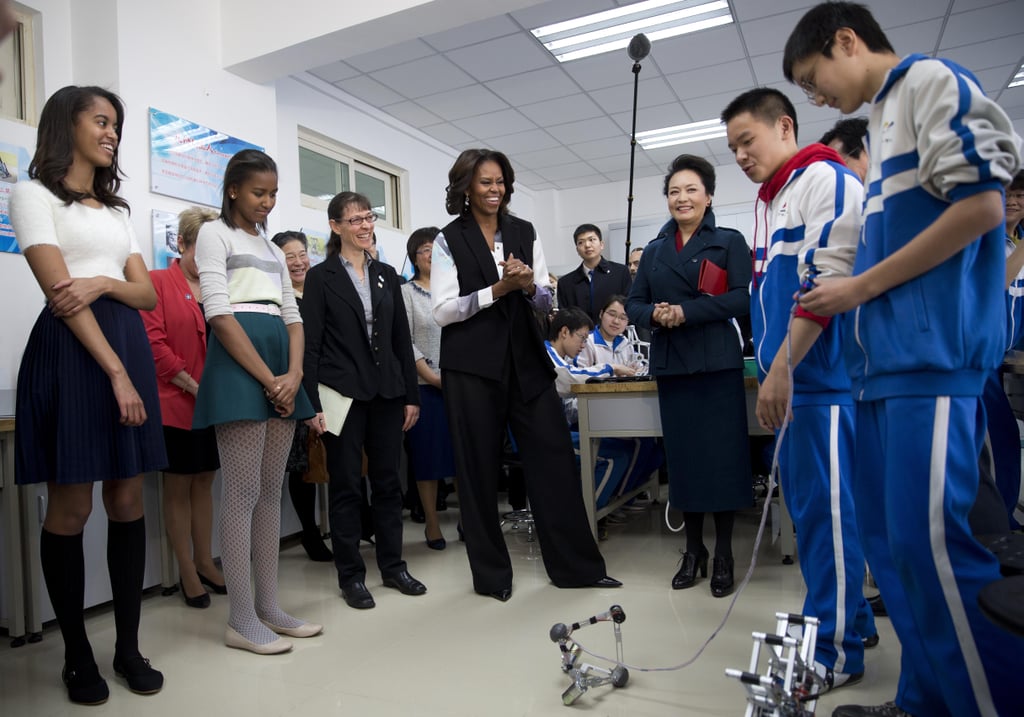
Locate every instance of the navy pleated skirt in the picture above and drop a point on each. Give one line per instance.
(229, 393)
(68, 425)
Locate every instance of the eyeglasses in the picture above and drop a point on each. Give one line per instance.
(423, 251)
(1016, 196)
(615, 316)
(583, 336)
(807, 83)
(356, 221)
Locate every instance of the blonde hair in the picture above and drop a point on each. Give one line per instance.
(189, 222)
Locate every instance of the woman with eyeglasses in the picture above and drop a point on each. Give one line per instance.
(358, 345)
(607, 342)
(497, 376)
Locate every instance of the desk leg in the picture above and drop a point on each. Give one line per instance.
(588, 458)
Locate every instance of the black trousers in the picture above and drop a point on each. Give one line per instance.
(375, 426)
(479, 413)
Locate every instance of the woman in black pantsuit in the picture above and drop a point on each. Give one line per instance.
(358, 344)
(495, 374)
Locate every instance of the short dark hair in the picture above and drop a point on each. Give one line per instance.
(240, 167)
(583, 229)
(55, 146)
(573, 318)
(336, 209)
(1017, 183)
(696, 164)
(460, 176)
(282, 238)
(819, 25)
(765, 103)
(423, 235)
(851, 133)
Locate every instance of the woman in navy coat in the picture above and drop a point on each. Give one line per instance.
(697, 359)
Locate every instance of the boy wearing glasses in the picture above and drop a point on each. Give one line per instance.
(927, 307)
(808, 212)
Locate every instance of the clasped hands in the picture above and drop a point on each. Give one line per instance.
(281, 392)
(516, 274)
(668, 315)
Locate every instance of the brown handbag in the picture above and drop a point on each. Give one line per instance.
(317, 472)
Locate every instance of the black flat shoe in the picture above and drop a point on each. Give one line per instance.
(871, 641)
(85, 685)
(314, 546)
(219, 589)
(199, 601)
(721, 577)
(691, 563)
(502, 595)
(606, 582)
(405, 583)
(142, 678)
(436, 543)
(356, 595)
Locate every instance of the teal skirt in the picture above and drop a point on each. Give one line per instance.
(229, 393)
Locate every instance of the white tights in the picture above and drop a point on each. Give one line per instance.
(253, 455)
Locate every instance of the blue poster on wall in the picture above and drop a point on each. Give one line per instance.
(187, 160)
(14, 163)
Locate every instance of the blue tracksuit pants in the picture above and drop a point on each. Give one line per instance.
(915, 479)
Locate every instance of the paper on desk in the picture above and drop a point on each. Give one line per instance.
(335, 408)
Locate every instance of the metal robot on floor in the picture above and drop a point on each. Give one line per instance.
(584, 675)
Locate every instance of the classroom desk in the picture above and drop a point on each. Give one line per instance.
(11, 518)
(628, 410)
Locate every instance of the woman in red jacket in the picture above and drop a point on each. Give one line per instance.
(177, 333)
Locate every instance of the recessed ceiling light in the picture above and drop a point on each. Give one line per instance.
(681, 134)
(1018, 79)
(612, 29)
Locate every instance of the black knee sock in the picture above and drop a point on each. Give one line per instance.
(126, 561)
(723, 533)
(303, 497)
(694, 532)
(63, 564)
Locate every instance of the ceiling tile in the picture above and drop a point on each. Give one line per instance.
(529, 87)
(411, 113)
(369, 90)
(561, 110)
(576, 182)
(917, 37)
(726, 76)
(334, 72)
(512, 144)
(495, 124)
(463, 102)
(982, 25)
(592, 73)
(986, 55)
(768, 69)
(649, 118)
(390, 56)
(474, 32)
(502, 57)
(895, 14)
(597, 128)
(449, 134)
(699, 49)
(423, 77)
(566, 171)
(547, 13)
(595, 149)
(769, 34)
(962, 5)
(544, 158)
(619, 162)
(651, 92)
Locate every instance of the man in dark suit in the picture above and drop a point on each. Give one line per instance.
(590, 285)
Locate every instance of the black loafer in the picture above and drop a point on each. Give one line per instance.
(502, 595)
(85, 685)
(142, 678)
(606, 582)
(356, 595)
(871, 641)
(405, 583)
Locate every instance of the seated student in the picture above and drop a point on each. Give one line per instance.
(607, 343)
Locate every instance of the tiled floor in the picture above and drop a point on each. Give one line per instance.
(452, 652)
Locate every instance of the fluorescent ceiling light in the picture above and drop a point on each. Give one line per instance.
(1018, 79)
(681, 134)
(612, 29)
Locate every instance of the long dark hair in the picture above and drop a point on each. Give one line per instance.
(55, 146)
(336, 209)
(460, 176)
(240, 167)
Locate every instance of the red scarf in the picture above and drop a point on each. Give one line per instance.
(811, 153)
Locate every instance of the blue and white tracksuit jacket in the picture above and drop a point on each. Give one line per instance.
(812, 223)
(920, 356)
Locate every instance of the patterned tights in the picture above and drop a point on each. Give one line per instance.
(253, 455)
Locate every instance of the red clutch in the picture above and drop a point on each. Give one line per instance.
(713, 279)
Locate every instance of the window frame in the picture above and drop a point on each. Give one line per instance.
(24, 36)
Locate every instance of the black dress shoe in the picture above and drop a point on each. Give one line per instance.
(871, 641)
(686, 577)
(502, 595)
(199, 601)
(606, 582)
(721, 577)
(85, 685)
(219, 589)
(142, 678)
(405, 583)
(356, 595)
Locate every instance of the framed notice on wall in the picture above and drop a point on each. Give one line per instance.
(187, 160)
(14, 163)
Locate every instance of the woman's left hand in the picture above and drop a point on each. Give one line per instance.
(285, 388)
(412, 414)
(72, 295)
(516, 273)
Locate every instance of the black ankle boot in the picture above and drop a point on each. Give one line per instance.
(315, 548)
(721, 577)
(691, 563)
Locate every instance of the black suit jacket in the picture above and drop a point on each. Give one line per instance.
(707, 341)
(609, 279)
(339, 353)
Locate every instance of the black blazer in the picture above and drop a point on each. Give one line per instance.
(609, 279)
(339, 353)
(506, 331)
(708, 340)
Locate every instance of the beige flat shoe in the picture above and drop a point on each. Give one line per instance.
(306, 629)
(233, 639)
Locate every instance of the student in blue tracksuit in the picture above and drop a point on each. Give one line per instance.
(926, 306)
(808, 207)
